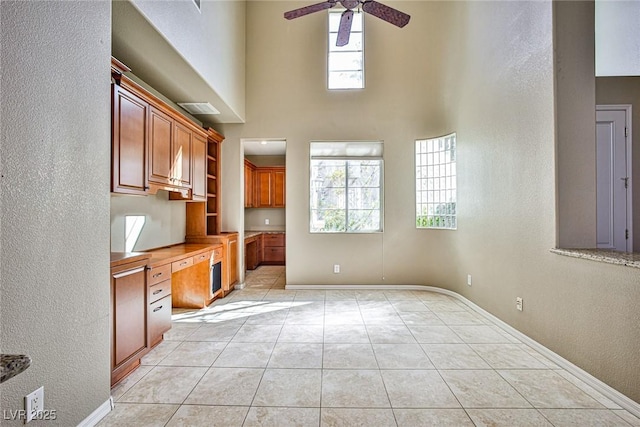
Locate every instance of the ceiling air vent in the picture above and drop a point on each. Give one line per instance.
(199, 107)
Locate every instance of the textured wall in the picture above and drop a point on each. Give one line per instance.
(55, 203)
(485, 70)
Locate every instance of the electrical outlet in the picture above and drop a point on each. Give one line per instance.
(336, 268)
(469, 279)
(266, 221)
(518, 303)
(34, 404)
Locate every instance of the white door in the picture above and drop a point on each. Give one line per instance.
(613, 179)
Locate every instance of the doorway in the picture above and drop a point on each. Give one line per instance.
(613, 177)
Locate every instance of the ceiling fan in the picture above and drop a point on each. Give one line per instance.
(386, 13)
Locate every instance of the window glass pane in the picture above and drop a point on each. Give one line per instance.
(345, 61)
(364, 220)
(346, 80)
(328, 220)
(364, 174)
(360, 198)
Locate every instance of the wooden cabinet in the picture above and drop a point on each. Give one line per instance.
(269, 187)
(129, 142)
(160, 134)
(129, 340)
(199, 184)
(181, 156)
(249, 184)
(274, 248)
(229, 242)
(192, 283)
(253, 251)
(159, 297)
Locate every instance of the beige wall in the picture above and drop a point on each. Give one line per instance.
(55, 204)
(165, 220)
(626, 90)
(486, 71)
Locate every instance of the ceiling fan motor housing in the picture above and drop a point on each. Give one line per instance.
(349, 4)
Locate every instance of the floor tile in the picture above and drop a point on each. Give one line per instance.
(340, 305)
(418, 389)
(306, 317)
(421, 318)
(401, 356)
(508, 418)
(296, 355)
(129, 381)
(507, 356)
(310, 295)
(460, 318)
(381, 318)
(257, 333)
(432, 417)
(481, 335)
(390, 334)
(345, 417)
(483, 389)
(159, 352)
(275, 317)
(583, 418)
(142, 415)
(454, 356)
(245, 355)
(628, 417)
(301, 333)
(226, 386)
(352, 317)
(604, 401)
(340, 295)
(547, 389)
(212, 332)
(353, 388)
(353, 334)
(445, 305)
(282, 417)
(434, 334)
(348, 356)
(164, 384)
(409, 306)
(189, 353)
(213, 416)
(289, 388)
(180, 331)
(400, 295)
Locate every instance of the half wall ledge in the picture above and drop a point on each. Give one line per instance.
(629, 259)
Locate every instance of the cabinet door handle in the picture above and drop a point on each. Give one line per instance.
(157, 309)
(184, 263)
(157, 275)
(157, 292)
(128, 272)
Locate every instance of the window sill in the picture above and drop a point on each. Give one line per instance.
(601, 255)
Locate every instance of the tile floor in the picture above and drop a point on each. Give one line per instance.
(265, 356)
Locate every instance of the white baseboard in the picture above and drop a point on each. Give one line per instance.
(607, 391)
(97, 415)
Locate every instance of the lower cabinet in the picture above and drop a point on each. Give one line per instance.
(159, 297)
(129, 339)
(274, 249)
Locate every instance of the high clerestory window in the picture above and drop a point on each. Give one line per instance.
(346, 63)
(346, 187)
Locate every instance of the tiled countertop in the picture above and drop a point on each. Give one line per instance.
(602, 255)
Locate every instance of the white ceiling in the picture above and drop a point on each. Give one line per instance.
(265, 147)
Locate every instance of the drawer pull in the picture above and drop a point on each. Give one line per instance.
(183, 263)
(157, 309)
(157, 275)
(157, 292)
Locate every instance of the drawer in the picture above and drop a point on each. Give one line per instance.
(273, 239)
(181, 264)
(273, 254)
(159, 290)
(159, 274)
(217, 255)
(159, 317)
(201, 257)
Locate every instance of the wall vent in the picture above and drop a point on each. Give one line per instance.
(199, 108)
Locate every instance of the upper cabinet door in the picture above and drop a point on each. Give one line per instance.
(129, 142)
(161, 130)
(279, 189)
(199, 184)
(181, 156)
(263, 188)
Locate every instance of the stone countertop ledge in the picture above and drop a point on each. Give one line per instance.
(630, 259)
(12, 364)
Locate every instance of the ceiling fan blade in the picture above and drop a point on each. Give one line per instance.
(386, 13)
(296, 13)
(344, 31)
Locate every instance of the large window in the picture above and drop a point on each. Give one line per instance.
(346, 63)
(436, 182)
(346, 187)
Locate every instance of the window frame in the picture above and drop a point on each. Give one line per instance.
(430, 160)
(331, 48)
(346, 158)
